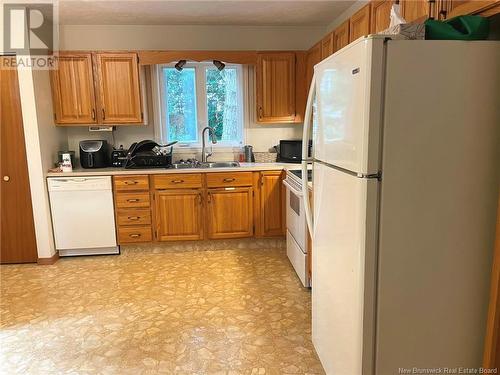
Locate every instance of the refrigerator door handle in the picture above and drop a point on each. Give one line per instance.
(305, 144)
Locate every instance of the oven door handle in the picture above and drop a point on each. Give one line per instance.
(293, 189)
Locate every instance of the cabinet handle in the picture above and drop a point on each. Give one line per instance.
(103, 114)
(133, 200)
(261, 112)
(229, 179)
(131, 182)
(442, 14)
(177, 181)
(93, 114)
(200, 197)
(134, 235)
(209, 198)
(133, 217)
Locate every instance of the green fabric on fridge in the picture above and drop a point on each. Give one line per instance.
(458, 28)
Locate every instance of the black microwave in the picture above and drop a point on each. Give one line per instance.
(290, 151)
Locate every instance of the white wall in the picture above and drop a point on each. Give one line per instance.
(181, 37)
(42, 142)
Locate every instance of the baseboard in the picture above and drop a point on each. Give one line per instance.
(48, 261)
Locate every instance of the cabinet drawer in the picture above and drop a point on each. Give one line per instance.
(132, 200)
(134, 234)
(229, 179)
(125, 183)
(133, 217)
(177, 181)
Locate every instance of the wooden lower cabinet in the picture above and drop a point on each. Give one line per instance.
(272, 217)
(179, 214)
(229, 213)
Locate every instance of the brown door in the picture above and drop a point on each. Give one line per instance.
(17, 243)
(359, 23)
(272, 203)
(380, 15)
(341, 36)
(73, 90)
(275, 87)
(179, 214)
(230, 212)
(119, 89)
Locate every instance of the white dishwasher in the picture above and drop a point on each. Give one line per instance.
(83, 215)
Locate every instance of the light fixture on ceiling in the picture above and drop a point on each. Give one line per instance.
(219, 64)
(180, 65)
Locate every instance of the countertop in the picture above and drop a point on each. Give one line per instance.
(121, 171)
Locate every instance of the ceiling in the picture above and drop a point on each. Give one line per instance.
(208, 12)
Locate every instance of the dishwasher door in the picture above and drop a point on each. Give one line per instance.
(83, 215)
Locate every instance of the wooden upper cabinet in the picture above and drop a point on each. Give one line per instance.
(359, 23)
(275, 87)
(327, 46)
(416, 10)
(272, 218)
(380, 15)
(73, 90)
(453, 8)
(230, 212)
(119, 89)
(313, 57)
(179, 214)
(341, 36)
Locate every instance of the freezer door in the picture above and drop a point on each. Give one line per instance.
(343, 277)
(348, 99)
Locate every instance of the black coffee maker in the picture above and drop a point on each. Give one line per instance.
(94, 154)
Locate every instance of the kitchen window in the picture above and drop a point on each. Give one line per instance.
(201, 95)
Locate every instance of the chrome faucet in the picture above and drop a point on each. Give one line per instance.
(211, 134)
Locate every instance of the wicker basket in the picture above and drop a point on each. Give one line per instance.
(265, 157)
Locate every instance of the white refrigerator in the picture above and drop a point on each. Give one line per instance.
(406, 167)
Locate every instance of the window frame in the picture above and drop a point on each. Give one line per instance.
(201, 105)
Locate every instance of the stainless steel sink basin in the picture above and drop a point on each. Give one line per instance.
(220, 164)
(215, 164)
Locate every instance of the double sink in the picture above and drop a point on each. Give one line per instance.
(216, 164)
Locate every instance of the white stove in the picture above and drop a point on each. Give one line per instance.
(296, 233)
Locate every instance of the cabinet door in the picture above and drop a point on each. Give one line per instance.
(229, 213)
(313, 57)
(454, 8)
(275, 87)
(119, 90)
(416, 10)
(341, 36)
(272, 203)
(178, 215)
(380, 15)
(359, 23)
(73, 90)
(327, 46)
